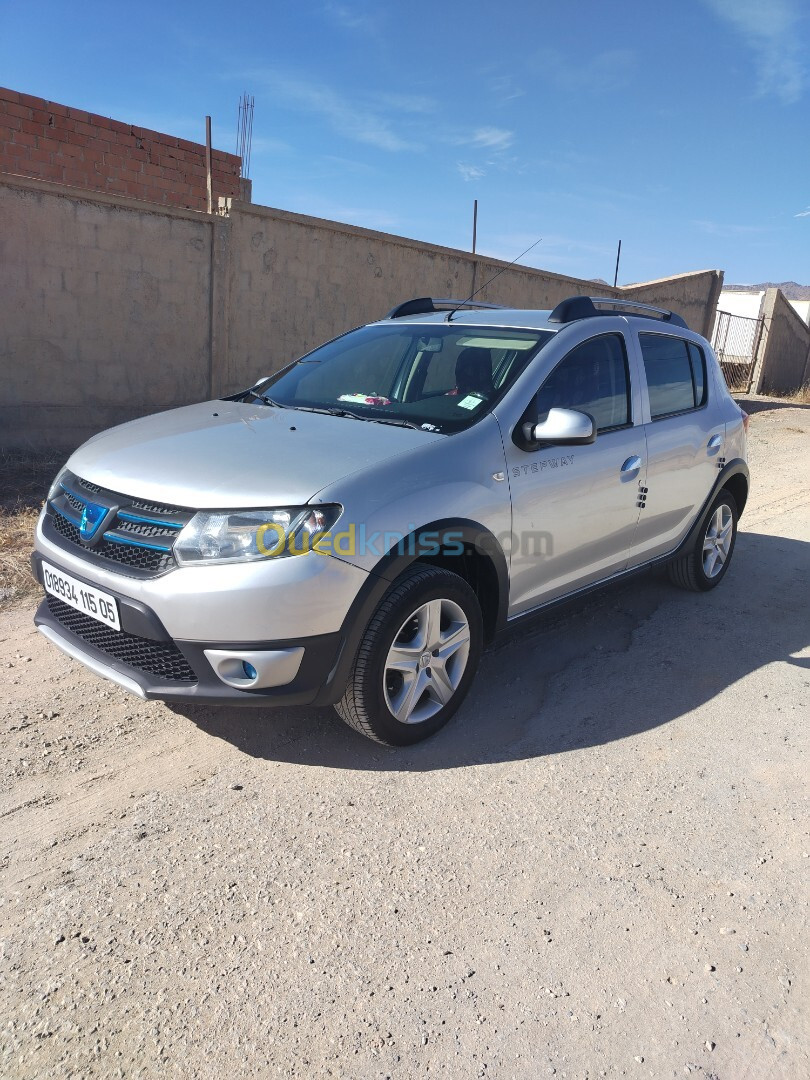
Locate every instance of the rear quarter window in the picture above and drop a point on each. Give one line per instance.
(676, 374)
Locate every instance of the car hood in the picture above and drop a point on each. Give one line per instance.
(229, 455)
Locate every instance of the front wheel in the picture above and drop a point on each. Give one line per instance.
(705, 565)
(416, 660)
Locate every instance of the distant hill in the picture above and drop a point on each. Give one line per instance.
(791, 289)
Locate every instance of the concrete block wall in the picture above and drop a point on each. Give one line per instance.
(783, 361)
(64, 145)
(112, 308)
(294, 281)
(693, 296)
(104, 312)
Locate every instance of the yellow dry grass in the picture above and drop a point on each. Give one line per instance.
(800, 396)
(16, 542)
(24, 480)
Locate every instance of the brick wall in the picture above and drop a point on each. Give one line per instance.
(47, 141)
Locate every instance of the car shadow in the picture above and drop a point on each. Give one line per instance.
(757, 405)
(625, 660)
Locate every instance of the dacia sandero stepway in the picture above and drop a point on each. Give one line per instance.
(353, 529)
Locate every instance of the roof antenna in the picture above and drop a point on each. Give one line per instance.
(489, 281)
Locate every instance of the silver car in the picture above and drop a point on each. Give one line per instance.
(354, 529)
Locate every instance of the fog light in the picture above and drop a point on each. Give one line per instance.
(257, 669)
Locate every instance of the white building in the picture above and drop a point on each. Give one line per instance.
(748, 304)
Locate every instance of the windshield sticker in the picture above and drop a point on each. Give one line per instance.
(365, 399)
(471, 401)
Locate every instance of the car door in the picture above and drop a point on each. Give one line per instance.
(575, 508)
(684, 440)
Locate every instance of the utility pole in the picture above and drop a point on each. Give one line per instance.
(475, 235)
(209, 189)
(618, 256)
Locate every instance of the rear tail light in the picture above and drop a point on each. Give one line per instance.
(746, 419)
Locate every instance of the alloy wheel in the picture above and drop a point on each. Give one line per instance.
(426, 661)
(717, 541)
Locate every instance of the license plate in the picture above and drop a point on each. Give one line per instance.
(93, 602)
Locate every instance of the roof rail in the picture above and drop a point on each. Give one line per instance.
(584, 307)
(425, 305)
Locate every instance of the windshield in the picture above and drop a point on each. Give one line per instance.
(438, 378)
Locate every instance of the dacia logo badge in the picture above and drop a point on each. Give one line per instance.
(92, 517)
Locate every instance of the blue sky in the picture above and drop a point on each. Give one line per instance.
(681, 129)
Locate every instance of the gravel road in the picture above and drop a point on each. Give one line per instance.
(599, 868)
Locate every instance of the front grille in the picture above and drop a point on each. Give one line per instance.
(139, 528)
(74, 501)
(141, 558)
(66, 528)
(162, 659)
(152, 508)
(138, 535)
(145, 559)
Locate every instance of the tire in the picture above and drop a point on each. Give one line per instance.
(416, 660)
(705, 566)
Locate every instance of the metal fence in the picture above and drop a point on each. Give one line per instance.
(736, 341)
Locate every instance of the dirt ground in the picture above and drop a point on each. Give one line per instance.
(600, 868)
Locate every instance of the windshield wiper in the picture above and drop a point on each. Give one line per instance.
(394, 422)
(354, 416)
(269, 401)
(369, 419)
(328, 412)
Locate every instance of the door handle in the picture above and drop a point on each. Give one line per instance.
(631, 468)
(714, 443)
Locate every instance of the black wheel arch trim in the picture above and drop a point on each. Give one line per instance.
(735, 467)
(403, 554)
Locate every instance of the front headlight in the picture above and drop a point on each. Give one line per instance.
(250, 535)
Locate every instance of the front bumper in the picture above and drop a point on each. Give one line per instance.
(146, 660)
(271, 599)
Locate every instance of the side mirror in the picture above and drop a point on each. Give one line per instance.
(564, 427)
